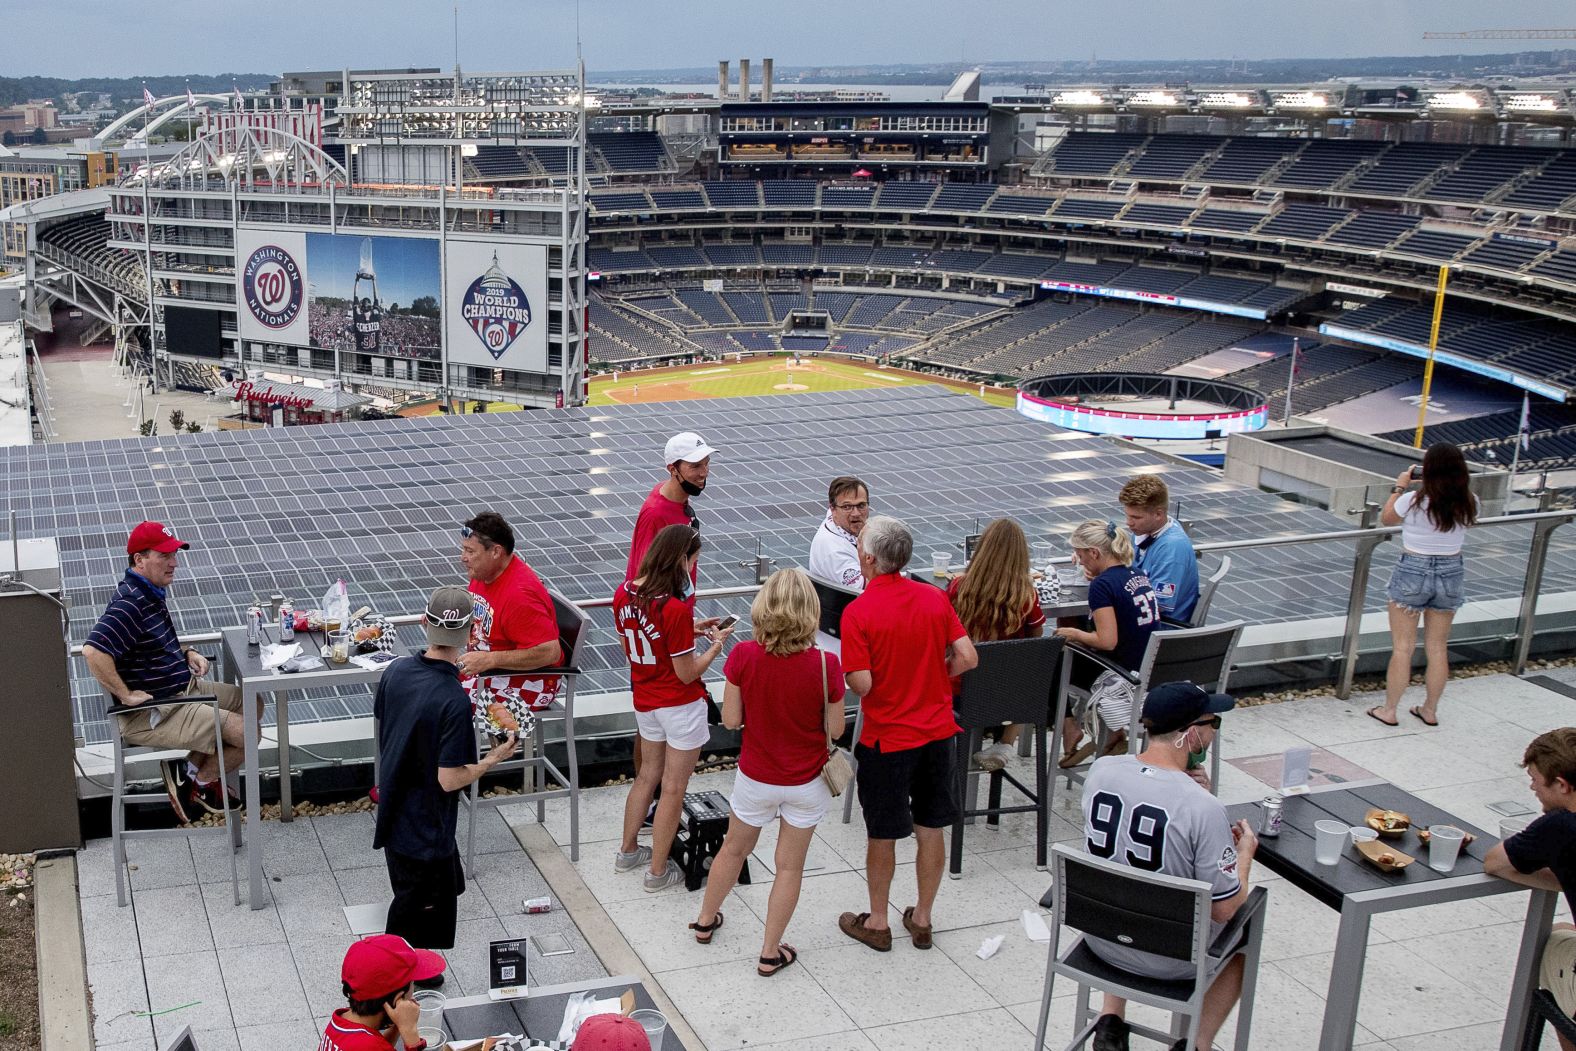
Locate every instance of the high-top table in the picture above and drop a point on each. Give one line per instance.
(243, 666)
(539, 1014)
(1358, 890)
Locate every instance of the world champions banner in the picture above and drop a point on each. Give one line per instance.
(496, 296)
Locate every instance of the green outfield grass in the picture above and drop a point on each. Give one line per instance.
(756, 376)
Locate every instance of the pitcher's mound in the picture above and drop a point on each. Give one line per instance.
(790, 386)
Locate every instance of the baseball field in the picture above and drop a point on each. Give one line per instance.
(757, 376)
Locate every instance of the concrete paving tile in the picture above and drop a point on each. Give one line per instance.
(346, 840)
(109, 932)
(1467, 1038)
(238, 925)
(601, 815)
(724, 1004)
(1405, 925)
(1410, 760)
(468, 958)
(1483, 958)
(317, 965)
(1015, 974)
(493, 835)
(1469, 800)
(1297, 925)
(982, 895)
(263, 985)
(292, 848)
(172, 920)
(596, 869)
(502, 882)
(310, 905)
(96, 869)
(849, 841)
(821, 859)
(1326, 721)
(853, 1040)
(580, 965)
(159, 863)
(274, 1035)
(996, 1026)
(117, 990)
(822, 899)
(877, 989)
(190, 989)
(1286, 1014)
(656, 929)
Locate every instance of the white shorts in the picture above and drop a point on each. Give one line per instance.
(802, 806)
(682, 727)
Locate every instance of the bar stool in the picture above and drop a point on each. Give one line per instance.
(120, 798)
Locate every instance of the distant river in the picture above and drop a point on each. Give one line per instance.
(897, 92)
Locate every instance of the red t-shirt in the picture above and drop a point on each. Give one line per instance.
(341, 1034)
(784, 711)
(656, 514)
(651, 641)
(898, 630)
(514, 612)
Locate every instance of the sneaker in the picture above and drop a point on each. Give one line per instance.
(993, 758)
(207, 796)
(671, 875)
(633, 860)
(179, 789)
(1110, 1034)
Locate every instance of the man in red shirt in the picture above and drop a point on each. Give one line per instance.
(688, 459)
(378, 978)
(515, 630)
(902, 643)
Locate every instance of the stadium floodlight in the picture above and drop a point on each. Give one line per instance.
(1530, 102)
(1306, 100)
(1154, 99)
(1227, 100)
(1455, 100)
(1078, 97)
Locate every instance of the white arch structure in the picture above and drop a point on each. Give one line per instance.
(248, 156)
(173, 106)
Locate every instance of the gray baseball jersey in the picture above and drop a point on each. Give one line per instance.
(1161, 821)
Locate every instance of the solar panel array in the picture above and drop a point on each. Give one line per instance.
(379, 504)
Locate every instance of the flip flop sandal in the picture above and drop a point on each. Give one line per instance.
(1375, 718)
(1417, 713)
(1085, 750)
(787, 954)
(704, 931)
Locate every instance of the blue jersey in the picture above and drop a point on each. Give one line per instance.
(1127, 593)
(1167, 559)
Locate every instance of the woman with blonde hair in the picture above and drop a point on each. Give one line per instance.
(1125, 612)
(787, 697)
(995, 600)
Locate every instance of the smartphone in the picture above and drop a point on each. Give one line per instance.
(1417, 474)
(727, 622)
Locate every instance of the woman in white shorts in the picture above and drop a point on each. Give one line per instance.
(668, 651)
(787, 697)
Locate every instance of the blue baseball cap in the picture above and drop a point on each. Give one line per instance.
(1175, 705)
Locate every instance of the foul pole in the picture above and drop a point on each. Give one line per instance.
(1433, 345)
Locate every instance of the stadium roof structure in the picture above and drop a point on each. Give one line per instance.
(378, 504)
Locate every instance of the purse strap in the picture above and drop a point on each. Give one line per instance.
(825, 700)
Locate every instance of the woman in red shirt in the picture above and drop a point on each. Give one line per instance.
(787, 697)
(654, 615)
(995, 600)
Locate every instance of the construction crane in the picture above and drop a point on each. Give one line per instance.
(1505, 34)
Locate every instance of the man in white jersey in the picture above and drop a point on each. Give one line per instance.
(834, 553)
(1146, 811)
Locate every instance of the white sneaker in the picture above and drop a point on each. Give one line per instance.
(671, 875)
(633, 860)
(994, 758)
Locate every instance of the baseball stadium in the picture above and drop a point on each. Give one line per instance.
(408, 296)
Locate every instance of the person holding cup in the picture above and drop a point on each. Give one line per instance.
(1543, 854)
(378, 977)
(1428, 576)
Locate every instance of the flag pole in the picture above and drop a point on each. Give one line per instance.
(1291, 381)
(1433, 345)
(1523, 434)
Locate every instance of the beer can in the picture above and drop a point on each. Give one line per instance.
(254, 625)
(286, 621)
(535, 905)
(1270, 816)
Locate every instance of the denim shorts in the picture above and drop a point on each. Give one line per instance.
(1427, 582)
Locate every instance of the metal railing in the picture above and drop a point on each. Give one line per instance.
(1367, 540)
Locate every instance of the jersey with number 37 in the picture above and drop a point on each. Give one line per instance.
(651, 639)
(1161, 821)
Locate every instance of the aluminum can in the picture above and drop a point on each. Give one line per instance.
(1271, 810)
(538, 905)
(254, 625)
(286, 621)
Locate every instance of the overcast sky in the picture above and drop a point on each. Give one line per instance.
(143, 37)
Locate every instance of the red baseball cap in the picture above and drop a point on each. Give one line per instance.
(154, 536)
(611, 1032)
(384, 964)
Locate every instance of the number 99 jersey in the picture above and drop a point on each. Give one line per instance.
(1161, 821)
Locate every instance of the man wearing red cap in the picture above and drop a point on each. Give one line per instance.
(611, 1032)
(135, 655)
(378, 977)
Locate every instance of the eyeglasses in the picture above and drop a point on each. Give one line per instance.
(1213, 722)
(852, 507)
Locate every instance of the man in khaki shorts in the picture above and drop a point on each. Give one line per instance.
(1543, 854)
(135, 655)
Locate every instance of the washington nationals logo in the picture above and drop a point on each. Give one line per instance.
(496, 309)
(271, 283)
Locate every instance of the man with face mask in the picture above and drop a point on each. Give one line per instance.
(688, 459)
(1146, 811)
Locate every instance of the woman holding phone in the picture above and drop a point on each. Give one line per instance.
(1429, 575)
(787, 697)
(668, 651)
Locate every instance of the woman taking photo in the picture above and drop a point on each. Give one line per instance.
(1125, 613)
(1428, 576)
(787, 697)
(995, 600)
(653, 614)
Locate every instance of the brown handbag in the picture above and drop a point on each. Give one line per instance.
(837, 771)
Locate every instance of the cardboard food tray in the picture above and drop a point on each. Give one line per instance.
(1373, 850)
(1373, 819)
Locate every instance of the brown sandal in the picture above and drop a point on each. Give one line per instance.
(704, 931)
(1072, 759)
(786, 954)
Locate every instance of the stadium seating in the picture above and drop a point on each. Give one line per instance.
(1171, 157)
(844, 255)
(1021, 204)
(1325, 162)
(748, 307)
(965, 197)
(732, 254)
(1550, 189)
(671, 256)
(1246, 160)
(1092, 153)
(1403, 167)
(707, 306)
(738, 194)
(1234, 220)
(1560, 266)
(1083, 208)
(906, 196)
(1167, 215)
(790, 193)
(775, 254)
(631, 152)
(1436, 244)
(1374, 229)
(499, 162)
(676, 200)
(629, 201)
(1483, 172)
(1306, 222)
(1503, 254)
(858, 195)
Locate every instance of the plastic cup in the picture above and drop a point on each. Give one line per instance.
(1328, 839)
(941, 566)
(1509, 826)
(431, 1002)
(433, 1035)
(1040, 556)
(1444, 844)
(655, 1023)
(339, 645)
(1362, 834)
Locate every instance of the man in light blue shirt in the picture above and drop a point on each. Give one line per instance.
(1165, 554)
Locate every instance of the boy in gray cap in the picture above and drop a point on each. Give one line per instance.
(427, 755)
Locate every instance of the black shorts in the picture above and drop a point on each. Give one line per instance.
(915, 786)
(426, 899)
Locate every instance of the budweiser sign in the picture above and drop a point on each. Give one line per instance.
(248, 391)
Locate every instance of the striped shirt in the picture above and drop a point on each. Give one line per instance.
(137, 632)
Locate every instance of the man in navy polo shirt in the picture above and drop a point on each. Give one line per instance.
(135, 655)
(427, 755)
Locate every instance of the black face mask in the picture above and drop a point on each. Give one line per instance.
(690, 487)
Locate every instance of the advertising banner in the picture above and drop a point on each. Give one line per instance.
(497, 295)
(270, 288)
